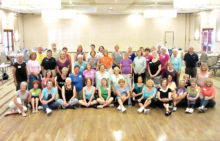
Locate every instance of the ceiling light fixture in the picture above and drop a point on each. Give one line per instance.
(158, 13)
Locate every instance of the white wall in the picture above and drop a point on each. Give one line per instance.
(102, 30)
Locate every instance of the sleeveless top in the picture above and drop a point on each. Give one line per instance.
(138, 89)
(68, 93)
(104, 92)
(35, 92)
(88, 93)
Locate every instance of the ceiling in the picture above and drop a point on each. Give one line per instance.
(115, 6)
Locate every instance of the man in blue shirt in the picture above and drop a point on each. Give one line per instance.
(191, 59)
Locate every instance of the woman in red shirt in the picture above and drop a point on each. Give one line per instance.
(207, 96)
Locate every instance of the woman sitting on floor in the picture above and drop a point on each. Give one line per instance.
(68, 99)
(48, 98)
(193, 92)
(164, 95)
(149, 93)
(180, 94)
(137, 90)
(123, 95)
(35, 93)
(88, 94)
(21, 98)
(207, 96)
(104, 91)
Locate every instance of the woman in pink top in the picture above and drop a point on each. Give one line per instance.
(89, 73)
(49, 76)
(34, 69)
(164, 58)
(203, 75)
(207, 96)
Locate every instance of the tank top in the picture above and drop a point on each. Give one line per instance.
(35, 92)
(104, 92)
(88, 93)
(138, 89)
(68, 93)
(202, 78)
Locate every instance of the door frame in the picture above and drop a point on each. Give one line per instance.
(165, 42)
(10, 30)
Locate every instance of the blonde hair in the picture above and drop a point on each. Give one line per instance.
(78, 47)
(209, 80)
(203, 64)
(150, 81)
(62, 52)
(121, 81)
(116, 69)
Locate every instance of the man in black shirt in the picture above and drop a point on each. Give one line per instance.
(191, 59)
(20, 72)
(48, 63)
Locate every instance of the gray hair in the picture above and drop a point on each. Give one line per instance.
(20, 55)
(79, 56)
(68, 78)
(23, 83)
(65, 69)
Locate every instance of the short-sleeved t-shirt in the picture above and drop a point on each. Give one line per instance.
(180, 91)
(164, 93)
(194, 91)
(45, 92)
(106, 61)
(126, 66)
(23, 97)
(35, 92)
(191, 60)
(82, 67)
(90, 74)
(117, 57)
(147, 94)
(62, 65)
(93, 61)
(123, 91)
(154, 66)
(49, 63)
(77, 81)
(208, 91)
(20, 73)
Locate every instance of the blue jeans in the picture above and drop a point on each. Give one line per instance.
(52, 105)
(210, 103)
(73, 102)
(191, 102)
(31, 79)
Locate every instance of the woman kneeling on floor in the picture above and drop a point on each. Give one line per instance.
(149, 93)
(123, 95)
(164, 95)
(48, 98)
(68, 99)
(22, 96)
(104, 91)
(207, 96)
(88, 94)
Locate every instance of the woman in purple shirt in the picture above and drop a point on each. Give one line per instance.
(126, 69)
(61, 63)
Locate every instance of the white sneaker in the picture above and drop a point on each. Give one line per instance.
(111, 105)
(146, 111)
(174, 108)
(199, 108)
(191, 110)
(187, 110)
(99, 106)
(140, 110)
(119, 108)
(123, 109)
(48, 111)
(40, 107)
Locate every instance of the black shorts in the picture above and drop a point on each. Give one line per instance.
(34, 96)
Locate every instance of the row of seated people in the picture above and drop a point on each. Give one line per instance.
(142, 94)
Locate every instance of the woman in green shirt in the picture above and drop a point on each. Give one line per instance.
(35, 92)
(104, 91)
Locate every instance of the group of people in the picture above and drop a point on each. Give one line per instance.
(99, 80)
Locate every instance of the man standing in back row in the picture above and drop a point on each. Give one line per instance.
(191, 59)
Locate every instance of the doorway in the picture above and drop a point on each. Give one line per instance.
(8, 42)
(207, 39)
(169, 39)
